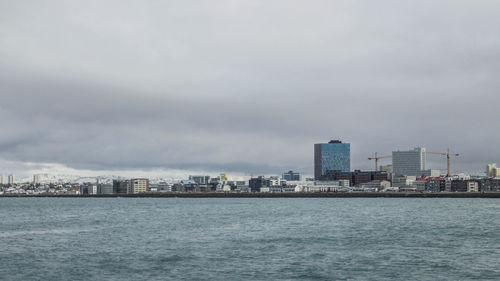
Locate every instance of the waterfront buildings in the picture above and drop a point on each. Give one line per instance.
(1, 179)
(291, 176)
(11, 179)
(331, 156)
(462, 186)
(357, 177)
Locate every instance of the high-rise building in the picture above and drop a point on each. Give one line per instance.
(409, 163)
(1, 179)
(331, 156)
(36, 179)
(11, 179)
(492, 171)
(139, 186)
(291, 176)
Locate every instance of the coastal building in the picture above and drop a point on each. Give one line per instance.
(357, 177)
(257, 183)
(121, 186)
(409, 163)
(11, 179)
(435, 184)
(105, 188)
(1, 179)
(291, 176)
(164, 187)
(462, 186)
(331, 156)
(489, 184)
(138, 186)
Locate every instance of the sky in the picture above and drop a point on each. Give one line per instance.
(244, 87)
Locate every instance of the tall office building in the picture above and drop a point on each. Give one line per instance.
(331, 156)
(409, 163)
(11, 179)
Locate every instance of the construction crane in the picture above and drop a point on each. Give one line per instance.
(376, 159)
(448, 154)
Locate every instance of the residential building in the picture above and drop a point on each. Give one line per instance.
(462, 186)
(291, 176)
(472, 186)
(138, 186)
(489, 184)
(331, 156)
(409, 163)
(435, 184)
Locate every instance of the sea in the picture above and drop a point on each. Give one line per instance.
(249, 239)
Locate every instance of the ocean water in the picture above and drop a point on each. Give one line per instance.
(249, 239)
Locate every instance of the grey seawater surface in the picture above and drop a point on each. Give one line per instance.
(249, 239)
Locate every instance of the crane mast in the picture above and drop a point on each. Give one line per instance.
(376, 158)
(447, 154)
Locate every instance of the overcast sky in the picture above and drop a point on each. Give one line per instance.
(245, 86)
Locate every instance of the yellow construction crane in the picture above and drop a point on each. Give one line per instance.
(448, 154)
(376, 159)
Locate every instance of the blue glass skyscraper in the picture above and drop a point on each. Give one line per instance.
(331, 156)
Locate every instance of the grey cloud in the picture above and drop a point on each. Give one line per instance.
(246, 86)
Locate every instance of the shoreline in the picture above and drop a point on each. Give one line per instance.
(271, 195)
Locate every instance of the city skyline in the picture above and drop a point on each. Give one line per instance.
(244, 87)
(417, 164)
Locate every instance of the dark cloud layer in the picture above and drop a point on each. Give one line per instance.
(246, 86)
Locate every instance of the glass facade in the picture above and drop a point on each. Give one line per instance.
(332, 156)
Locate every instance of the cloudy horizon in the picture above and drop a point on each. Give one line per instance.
(244, 87)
